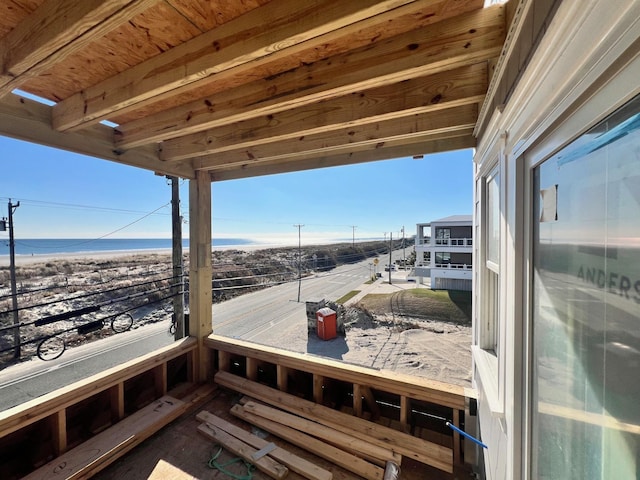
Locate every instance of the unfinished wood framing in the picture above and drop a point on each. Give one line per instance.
(50, 412)
(268, 84)
(439, 393)
(200, 271)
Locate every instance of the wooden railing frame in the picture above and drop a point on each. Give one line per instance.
(408, 388)
(53, 406)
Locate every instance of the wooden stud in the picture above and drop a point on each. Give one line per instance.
(357, 399)
(457, 458)
(224, 361)
(58, 423)
(283, 378)
(160, 379)
(116, 394)
(252, 369)
(318, 388)
(405, 411)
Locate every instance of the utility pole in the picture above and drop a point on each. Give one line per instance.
(404, 257)
(353, 227)
(299, 226)
(14, 293)
(176, 236)
(390, 248)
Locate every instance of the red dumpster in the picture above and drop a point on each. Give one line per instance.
(327, 323)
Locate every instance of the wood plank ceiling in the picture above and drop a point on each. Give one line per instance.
(247, 87)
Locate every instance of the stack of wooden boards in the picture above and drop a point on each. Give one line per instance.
(355, 444)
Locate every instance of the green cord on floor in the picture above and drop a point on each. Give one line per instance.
(221, 466)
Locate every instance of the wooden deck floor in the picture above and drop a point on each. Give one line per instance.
(180, 445)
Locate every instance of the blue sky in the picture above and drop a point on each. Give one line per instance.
(64, 195)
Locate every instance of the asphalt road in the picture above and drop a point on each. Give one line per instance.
(267, 315)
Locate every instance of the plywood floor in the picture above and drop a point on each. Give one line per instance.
(183, 447)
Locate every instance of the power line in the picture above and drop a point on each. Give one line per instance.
(77, 206)
(84, 242)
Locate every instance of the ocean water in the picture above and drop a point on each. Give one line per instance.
(47, 246)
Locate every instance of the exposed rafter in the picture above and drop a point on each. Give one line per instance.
(447, 45)
(30, 121)
(419, 95)
(234, 89)
(412, 129)
(371, 155)
(231, 48)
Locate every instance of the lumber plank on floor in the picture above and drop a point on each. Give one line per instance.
(338, 439)
(290, 460)
(403, 443)
(237, 447)
(164, 470)
(313, 445)
(96, 453)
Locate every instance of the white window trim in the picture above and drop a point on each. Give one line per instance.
(490, 366)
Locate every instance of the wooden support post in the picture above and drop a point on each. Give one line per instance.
(457, 459)
(160, 379)
(58, 422)
(200, 272)
(252, 369)
(405, 411)
(117, 402)
(357, 400)
(318, 383)
(283, 378)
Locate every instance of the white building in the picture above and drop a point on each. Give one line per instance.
(444, 250)
(557, 246)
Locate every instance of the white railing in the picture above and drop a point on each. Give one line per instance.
(454, 242)
(454, 266)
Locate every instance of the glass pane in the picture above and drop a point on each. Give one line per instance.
(493, 219)
(586, 319)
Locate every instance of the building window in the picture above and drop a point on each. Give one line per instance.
(442, 236)
(443, 257)
(586, 305)
(492, 263)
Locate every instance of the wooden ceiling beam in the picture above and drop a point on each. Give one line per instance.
(227, 160)
(57, 29)
(284, 166)
(449, 89)
(233, 47)
(462, 40)
(30, 121)
(415, 128)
